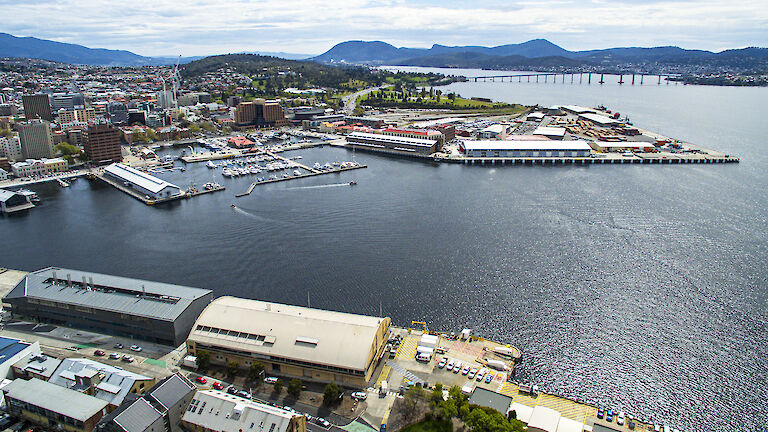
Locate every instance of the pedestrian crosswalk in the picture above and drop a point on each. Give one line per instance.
(408, 375)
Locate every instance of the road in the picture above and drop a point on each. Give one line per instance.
(27, 181)
(351, 100)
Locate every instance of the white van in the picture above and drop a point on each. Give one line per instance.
(423, 357)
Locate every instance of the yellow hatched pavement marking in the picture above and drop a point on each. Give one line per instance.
(383, 375)
(407, 348)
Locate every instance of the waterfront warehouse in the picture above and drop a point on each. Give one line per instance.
(144, 183)
(292, 341)
(153, 311)
(394, 144)
(524, 149)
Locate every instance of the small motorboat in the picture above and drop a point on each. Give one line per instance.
(352, 183)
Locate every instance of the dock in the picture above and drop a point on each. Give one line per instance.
(135, 194)
(312, 173)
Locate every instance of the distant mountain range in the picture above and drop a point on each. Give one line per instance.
(535, 53)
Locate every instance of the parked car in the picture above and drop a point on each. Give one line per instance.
(360, 396)
(201, 380)
(323, 422)
(488, 378)
(135, 348)
(128, 359)
(620, 418)
(449, 366)
(600, 413)
(465, 370)
(218, 386)
(479, 376)
(441, 363)
(232, 390)
(115, 356)
(472, 373)
(119, 346)
(99, 353)
(244, 394)
(270, 380)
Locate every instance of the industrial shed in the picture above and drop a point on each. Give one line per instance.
(153, 311)
(292, 341)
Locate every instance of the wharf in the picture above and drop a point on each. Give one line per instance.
(312, 173)
(209, 156)
(196, 192)
(184, 195)
(601, 159)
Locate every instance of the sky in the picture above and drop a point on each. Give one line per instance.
(194, 27)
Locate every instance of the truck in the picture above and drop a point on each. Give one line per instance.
(189, 361)
(383, 389)
(504, 351)
(497, 364)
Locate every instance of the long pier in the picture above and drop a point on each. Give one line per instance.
(554, 77)
(313, 173)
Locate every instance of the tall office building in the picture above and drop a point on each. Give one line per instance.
(37, 106)
(67, 101)
(11, 149)
(118, 112)
(101, 143)
(36, 139)
(259, 112)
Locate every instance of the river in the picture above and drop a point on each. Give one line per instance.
(641, 287)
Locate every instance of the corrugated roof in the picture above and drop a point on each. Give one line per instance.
(146, 181)
(125, 297)
(113, 387)
(493, 145)
(219, 411)
(343, 340)
(170, 391)
(60, 400)
(393, 139)
(138, 416)
(10, 347)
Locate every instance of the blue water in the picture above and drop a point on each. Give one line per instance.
(641, 287)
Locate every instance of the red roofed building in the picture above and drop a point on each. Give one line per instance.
(240, 142)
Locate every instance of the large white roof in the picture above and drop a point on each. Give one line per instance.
(144, 180)
(318, 336)
(215, 410)
(549, 131)
(597, 118)
(495, 145)
(545, 419)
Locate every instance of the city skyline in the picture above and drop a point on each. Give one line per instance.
(201, 28)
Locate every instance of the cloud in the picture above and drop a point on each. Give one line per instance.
(195, 27)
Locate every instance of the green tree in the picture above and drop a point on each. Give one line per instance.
(232, 368)
(5, 132)
(294, 388)
(203, 359)
(195, 128)
(68, 151)
(255, 371)
(151, 134)
(278, 386)
(331, 394)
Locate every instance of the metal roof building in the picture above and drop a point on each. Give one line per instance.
(381, 142)
(12, 201)
(103, 381)
(218, 411)
(158, 410)
(494, 148)
(154, 311)
(149, 185)
(54, 406)
(294, 341)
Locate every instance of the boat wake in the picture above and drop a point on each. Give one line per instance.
(319, 186)
(249, 214)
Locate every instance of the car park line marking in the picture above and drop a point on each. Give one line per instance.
(383, 375)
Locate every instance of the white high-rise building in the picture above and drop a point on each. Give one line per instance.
(11, 148)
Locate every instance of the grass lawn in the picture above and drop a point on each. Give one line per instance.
(429, 426)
